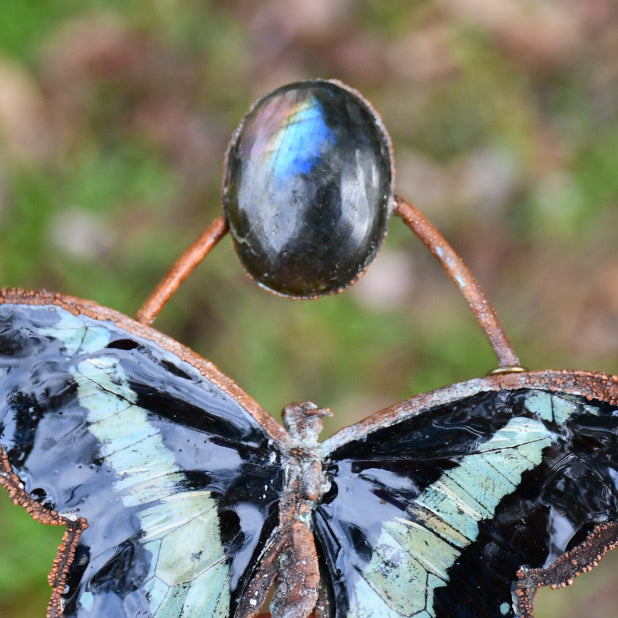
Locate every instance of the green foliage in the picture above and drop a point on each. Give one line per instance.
(28, 549)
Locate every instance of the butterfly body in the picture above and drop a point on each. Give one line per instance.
(183, 497)
(291, 555)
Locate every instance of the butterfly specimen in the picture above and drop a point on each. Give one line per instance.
(182, 497)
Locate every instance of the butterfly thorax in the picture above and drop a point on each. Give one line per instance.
(304, 475)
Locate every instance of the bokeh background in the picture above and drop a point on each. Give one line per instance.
(114, 118)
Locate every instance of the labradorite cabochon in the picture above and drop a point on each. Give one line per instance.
(308, 188)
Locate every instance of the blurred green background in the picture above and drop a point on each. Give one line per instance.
(114, 118)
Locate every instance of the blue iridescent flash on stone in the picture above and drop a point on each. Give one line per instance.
(308, 188)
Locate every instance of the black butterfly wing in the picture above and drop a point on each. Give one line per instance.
(176, 471)
(434, 514)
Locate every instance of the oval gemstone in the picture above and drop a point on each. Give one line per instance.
(308, 188)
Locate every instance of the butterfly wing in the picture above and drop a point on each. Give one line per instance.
(176, 471)
(434, 514)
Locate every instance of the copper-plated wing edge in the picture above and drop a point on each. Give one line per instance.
(66, 550)
(208, 369)
(580, 559)
(589, 384)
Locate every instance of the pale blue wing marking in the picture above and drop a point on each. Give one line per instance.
(173, 523)
(553, 408)
(367, 603)
(76, 336)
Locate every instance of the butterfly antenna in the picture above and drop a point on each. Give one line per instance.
(469, 287)
(181, 270)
